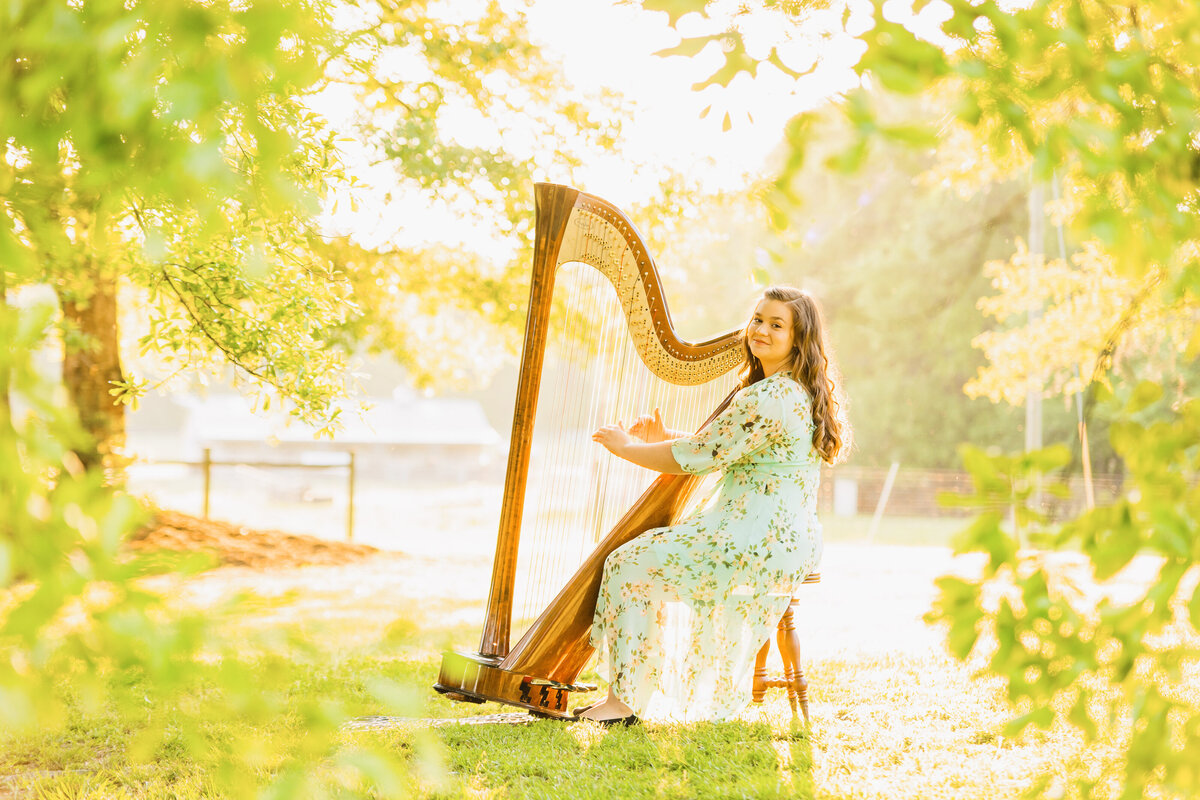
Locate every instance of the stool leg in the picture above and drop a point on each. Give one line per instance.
(760, 672)
(789, 649)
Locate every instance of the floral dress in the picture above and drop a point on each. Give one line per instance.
(683, 610)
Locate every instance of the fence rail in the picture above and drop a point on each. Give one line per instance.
(910, 492)
(206, 463)
(845, 491)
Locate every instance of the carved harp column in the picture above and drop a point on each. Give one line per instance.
(539, 673)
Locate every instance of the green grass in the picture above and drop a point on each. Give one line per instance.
(90, 756)
(909, 531)
(882, 727)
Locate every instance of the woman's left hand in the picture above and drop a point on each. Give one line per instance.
(615, 438)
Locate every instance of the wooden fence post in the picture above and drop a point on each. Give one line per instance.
(350, 501)
(883, 498)
(207, 466)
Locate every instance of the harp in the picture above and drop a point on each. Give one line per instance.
(572, 228)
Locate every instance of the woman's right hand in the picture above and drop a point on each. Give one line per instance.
(615, 438)
(648, 428)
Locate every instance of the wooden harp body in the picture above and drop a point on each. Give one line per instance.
(540, 672)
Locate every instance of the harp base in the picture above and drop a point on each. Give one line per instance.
(476, 678)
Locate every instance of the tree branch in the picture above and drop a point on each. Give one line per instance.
(229, 354)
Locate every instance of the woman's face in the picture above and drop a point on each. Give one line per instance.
(770, 334)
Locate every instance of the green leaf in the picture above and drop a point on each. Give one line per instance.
(777, 62)
(395, 697)
(1048, 458)
(851, 158)
(737, 61)
(1114, 545)
(1042, 717)
(1144, 395)
(689, 46)
(676, 8)
(1079, 715)
(958, 604)
(1194, 609)
(911, 135)
(382, 774)
(985, 534)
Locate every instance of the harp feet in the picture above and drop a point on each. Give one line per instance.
(461, 698)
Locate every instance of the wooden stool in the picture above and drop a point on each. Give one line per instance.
(789, 652)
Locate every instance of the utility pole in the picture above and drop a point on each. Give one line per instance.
(1033, 393)
(1089, 493)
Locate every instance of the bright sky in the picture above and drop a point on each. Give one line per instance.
(606, 44)
(610, 44)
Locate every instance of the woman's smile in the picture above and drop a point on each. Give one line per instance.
(769, 334)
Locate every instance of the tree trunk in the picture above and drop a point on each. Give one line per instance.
(91, 362)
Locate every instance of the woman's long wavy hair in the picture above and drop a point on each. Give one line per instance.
(812, 368)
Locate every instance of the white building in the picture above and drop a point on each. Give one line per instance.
(408, 438)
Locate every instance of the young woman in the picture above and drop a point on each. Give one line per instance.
(683, 610)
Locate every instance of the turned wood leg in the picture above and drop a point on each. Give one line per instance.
(759, 686)
(789, 650)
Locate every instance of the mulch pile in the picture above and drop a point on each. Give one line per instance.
(237, 545)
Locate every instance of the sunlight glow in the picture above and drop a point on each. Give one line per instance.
(610, 46)
(607, 45)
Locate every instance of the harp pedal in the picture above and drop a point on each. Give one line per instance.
(570, 687)
(476, 679)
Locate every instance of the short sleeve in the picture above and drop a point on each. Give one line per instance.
(752, 420)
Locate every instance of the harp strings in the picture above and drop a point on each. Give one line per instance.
(576, 490)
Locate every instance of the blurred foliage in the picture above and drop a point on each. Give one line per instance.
(898, 260)
(164, 145)
(82, 637)
(459, 110)
(1104, 99)
(1071, 341)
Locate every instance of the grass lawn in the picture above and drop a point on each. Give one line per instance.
(886, 723)
(882, 728)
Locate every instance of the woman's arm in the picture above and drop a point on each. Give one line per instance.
(651, 455)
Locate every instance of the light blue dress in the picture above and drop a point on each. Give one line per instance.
(683, 610)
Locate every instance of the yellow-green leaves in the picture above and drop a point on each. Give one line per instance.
(902, 62)
(675, 8)
(958, 605)
(1194, 608)
(737, 61)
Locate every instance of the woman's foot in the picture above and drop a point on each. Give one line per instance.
(608, 712)
(579, 710)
